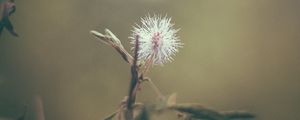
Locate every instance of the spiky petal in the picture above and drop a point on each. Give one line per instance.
(157, 39)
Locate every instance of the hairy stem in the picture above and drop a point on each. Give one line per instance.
(133, 84)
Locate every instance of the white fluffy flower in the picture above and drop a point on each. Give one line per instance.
(157, 39)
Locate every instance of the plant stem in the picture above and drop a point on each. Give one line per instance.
(133, 83)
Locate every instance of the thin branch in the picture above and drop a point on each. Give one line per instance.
(155, 88)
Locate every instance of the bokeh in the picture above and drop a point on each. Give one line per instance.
(237, 54)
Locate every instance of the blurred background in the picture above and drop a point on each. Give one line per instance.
(237, 54)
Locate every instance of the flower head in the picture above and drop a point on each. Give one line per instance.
(157, 39)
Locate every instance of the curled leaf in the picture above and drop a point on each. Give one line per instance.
(100, 36)
(113, 37)
(110, 39)
(8, 7)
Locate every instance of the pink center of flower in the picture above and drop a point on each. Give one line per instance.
(156, 41)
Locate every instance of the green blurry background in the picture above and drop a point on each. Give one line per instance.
(238, 54)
